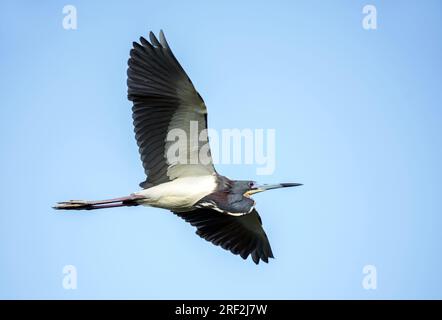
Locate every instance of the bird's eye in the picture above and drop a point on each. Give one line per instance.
(251, 185)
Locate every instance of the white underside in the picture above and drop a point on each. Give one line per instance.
(179, 194)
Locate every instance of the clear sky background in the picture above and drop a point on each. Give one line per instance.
(357, 116)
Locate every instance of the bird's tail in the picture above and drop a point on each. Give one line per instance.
(98, 204)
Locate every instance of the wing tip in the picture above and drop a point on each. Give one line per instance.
(153, 43)
(257, 255)
(163, 40)
(257, 249)
(154, 40)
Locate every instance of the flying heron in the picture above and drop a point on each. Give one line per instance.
(165, 99)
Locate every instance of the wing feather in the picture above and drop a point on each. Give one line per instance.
(241, 235)
(164, 98)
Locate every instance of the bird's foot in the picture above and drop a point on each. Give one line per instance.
(71, 204)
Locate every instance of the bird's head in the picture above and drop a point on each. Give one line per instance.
(251, 187)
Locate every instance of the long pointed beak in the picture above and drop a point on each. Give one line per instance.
(265, 187)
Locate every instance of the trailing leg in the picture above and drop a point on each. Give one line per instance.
(98, 204)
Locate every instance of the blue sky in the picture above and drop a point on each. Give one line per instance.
(357, 116)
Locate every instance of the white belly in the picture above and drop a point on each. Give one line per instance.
(178, 194)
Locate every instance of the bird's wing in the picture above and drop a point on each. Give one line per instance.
(164, 99)
(241, 235)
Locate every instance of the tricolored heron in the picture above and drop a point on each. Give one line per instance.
(164, 99)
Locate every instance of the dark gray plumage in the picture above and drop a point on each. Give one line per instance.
(241, 235)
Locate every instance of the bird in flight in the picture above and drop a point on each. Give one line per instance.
(185, 182)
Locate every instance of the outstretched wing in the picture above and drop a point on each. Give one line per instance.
(241, 235)
(165, 99)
